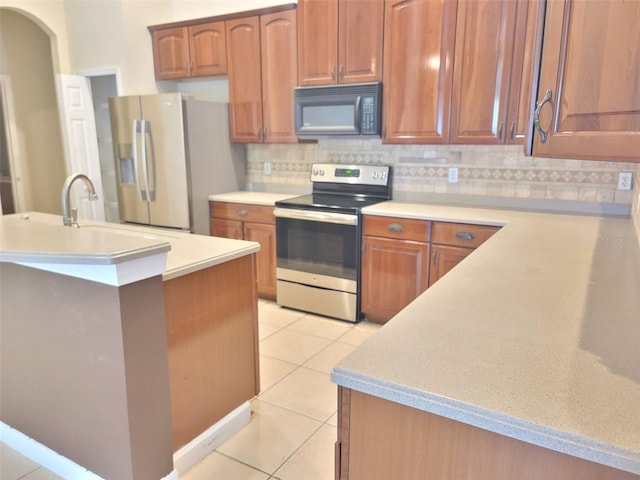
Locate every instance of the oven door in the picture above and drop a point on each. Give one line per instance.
(318, 261)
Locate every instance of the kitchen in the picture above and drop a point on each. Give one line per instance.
(420, 172)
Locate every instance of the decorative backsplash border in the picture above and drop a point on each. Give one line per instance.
(483, 171)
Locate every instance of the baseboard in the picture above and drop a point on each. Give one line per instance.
(43, 455)
(205, 443)
(50, 459)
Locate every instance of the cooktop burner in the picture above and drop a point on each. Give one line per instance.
(329, 202)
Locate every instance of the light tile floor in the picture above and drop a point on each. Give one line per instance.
(292, 431)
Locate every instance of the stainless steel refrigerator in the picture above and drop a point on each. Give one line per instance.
(171, 153)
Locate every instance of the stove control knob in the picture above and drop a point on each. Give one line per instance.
(375, 175)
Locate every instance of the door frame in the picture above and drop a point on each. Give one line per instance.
(13, 144)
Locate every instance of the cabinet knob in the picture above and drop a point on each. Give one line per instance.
(333, 73)
(465, 236)
(341, 73)
(395, 227)
(242, 212)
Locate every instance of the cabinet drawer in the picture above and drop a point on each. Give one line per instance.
(394, 227)
(242, 211)
(461, 234)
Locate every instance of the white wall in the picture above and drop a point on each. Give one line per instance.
(50, 16)
(189, 9)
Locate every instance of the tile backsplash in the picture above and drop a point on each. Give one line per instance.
(487, 175)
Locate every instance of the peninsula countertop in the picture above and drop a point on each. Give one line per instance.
(36, 237)
(535, 335)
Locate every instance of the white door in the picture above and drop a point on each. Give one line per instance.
(80, 142)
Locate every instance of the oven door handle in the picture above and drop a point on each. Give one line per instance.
(325, 217)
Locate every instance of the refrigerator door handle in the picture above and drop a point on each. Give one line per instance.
(150, 162)
(145, 166)
(136, 129)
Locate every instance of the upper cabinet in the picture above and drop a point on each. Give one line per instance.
(419, 40)
(465, 79)
(189, 51)
(589, 89)
(261, 55)
(339, 41)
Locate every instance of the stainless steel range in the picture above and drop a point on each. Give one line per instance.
(319, 239)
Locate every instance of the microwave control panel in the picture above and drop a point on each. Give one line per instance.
(368, 116)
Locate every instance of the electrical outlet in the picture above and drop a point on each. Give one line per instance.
(624, 180)
(453, 174)
(267, 168)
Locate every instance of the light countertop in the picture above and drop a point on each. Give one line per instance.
(535, 335)
(41, 238)
(255, 198)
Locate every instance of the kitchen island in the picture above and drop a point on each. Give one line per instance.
(521, 362)
(100, 326)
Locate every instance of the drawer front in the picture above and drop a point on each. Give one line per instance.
(242, 211)
(461, 234)
(394, 227)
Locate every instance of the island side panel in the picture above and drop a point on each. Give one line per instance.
(212, 335)
(382, 439)
(77, 375)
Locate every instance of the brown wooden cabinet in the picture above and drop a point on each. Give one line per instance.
(339, 41)
(212, 338)
(419, 43)
(459, 72)
(452, 242)
(255, 223)
(261, 55)
(591, 67)
(189, 51)
(483, 57)
(378, 438)
(395, 264)
(402, 257)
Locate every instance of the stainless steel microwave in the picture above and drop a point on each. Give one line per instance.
(349, 109)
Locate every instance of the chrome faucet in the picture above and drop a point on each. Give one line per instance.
(72, 220)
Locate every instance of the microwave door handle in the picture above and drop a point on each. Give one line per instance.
(357, 121)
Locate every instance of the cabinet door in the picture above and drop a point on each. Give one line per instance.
(591, 66)
(524, 70)
(245, 84)
(171, 53)
(226, 228)
(279, 74)
(208, 49)
(360, 27)
(419, 40)
(317, 42)
(443, 259)
(265, 235)
(394, 272)
(482, 70)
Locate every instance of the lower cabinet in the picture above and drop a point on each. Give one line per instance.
(378, 438)
(395, 265)
(452, 242)
(402, 257)
(212, 340)
(255, 223)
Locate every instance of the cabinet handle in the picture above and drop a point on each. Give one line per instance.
(333, 73)
(242, 212)
(500, 125)
(341, 73)
(188, 65)
(435, 257)
(536, 116)
(395, 227)
(512, 132)
(465, 236)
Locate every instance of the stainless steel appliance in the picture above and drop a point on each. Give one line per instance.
(171, 153)
(319, 237)
(349, 109)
